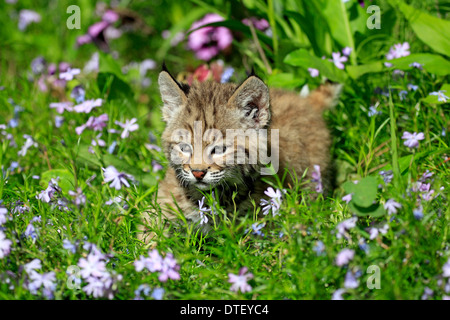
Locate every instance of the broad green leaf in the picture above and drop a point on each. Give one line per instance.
(375, 210)
(113, 86)
(66, 180)
(357, 71)
(432, 63)
(302, 58)
(431, 30)
(365, 192)
(284, 80)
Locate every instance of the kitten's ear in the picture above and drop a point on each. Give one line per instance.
(252, 100)
(172, 95)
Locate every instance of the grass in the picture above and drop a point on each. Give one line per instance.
(285, 262)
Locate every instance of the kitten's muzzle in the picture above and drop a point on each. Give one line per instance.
(198, 174)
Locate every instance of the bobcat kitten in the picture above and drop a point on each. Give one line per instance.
(202, 158)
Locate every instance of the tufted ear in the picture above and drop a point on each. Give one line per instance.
(173, 95)
(252, 101)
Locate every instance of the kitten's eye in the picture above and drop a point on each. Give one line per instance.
(219, 150)
(185, 148)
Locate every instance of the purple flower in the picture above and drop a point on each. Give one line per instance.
(169, 269)
(69, 74)
(207, 42)
(92, 266)
(412, 139)
(344, 257)
(402, 94)
(337, 295)
(128, 126)
(338, 60)
(78, 93)
(391, 206)
(410, 86)
(418, 213)
(316, 177)
(110, 16)
(45, 280)
(398, 50)
(441, 96)
(34, 264)
(88, 105)
(48, 194)
(59, 120)
(373, 110)
(3, 215)
(313, 72)
(387, 176)
(5, 245)
(29, 142)
(345, 226)
(240, 281)
(256, 229)
(61, 106)
(72, 247)
(351, 280)
(347, 51)
(94, 123)
(261, 24)
(445, 268)
(26, 17)
(38, 65)
(202, 211)
(80, 198)
(319, 248)
(416, 65)
(226, 75)
(347, 198)
(116, 178)
(375, 231)
(152, 147)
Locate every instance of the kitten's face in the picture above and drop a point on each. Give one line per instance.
(197, 139)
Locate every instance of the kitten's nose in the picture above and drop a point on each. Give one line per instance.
(198, 174)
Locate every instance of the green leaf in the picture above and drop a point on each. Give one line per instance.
(302, 58)
(357, 71)
(113, 86)
(66, 179)
(284, 80)
(431, 30)
(365, 192)
(432, 63)
(375, 210)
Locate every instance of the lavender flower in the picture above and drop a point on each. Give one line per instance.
(78, 93)
(3, 215)
(337, 295)
(226, 75)
(167, 266)
(62, 106)
(412, 139)
(391, 206)
(347, 198)
(80, 198)
(207, 42)
(128, 126)
(375, 231)
(338, 60)
(313, 72)
(72, 247)
(387, 176)
(347, 51)
(29, 142)
(418, 213)
(345, 226)
(93, 123)
(351, 280)
(416, 65)
(34, 264)
(256, 229)
(48, 194)
(273, 204)
(344, 257)
(240, 281)
(316, 177)
(26, 17)
(445, 268)
(88, 105)
(69, 74)
(319, 248)
(5, 245)
(402, 94)
(398, 50)
(118, 178)
(202, 211)
(59, 120)
(440, 94)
